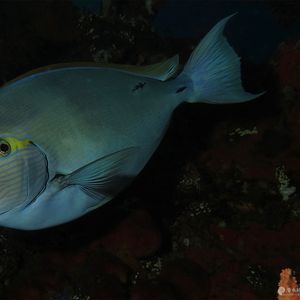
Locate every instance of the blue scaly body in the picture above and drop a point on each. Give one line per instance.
(95, 128)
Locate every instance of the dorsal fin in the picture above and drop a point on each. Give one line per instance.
(160, 71)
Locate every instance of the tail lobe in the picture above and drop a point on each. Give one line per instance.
(213, 70)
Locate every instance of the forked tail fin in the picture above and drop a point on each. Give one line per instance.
(212, 73)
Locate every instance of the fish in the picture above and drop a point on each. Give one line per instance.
(73, 136)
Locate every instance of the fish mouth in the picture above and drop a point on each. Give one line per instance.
(23, 177)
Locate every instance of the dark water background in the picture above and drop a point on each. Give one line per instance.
(272, 22)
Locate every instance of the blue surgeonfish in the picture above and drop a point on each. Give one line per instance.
(73, 136)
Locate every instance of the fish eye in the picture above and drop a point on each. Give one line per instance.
(4, 148)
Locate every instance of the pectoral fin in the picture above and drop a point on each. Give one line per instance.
(103, 176)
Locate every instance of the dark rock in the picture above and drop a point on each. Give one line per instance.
(147, 290)
(287, 64)
(136, 236)
(274, 142)
(193, 282)
(90, 270)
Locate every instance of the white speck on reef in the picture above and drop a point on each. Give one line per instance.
(135, 278)
(243, 132)
(199, 208)
(152, 266)
(186, 242)
(102, 55)
(284, 187)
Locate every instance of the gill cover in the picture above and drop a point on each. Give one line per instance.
(23, 173)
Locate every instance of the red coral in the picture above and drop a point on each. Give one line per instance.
(288, 64)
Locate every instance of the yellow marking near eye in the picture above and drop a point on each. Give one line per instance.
(16, 144)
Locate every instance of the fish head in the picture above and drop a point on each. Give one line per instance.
(23, 173)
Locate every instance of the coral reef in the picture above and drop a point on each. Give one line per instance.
(288, 287)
